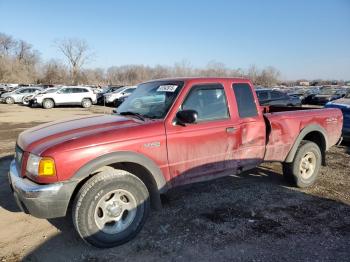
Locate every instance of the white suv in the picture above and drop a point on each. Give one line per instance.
(67, 95)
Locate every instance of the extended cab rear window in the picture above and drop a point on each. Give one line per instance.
(245, 100)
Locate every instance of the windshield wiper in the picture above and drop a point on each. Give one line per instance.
(151, 116)
(129, 113)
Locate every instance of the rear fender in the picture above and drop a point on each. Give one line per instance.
(304, 132)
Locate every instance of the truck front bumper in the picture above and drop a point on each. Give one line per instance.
(42, 201)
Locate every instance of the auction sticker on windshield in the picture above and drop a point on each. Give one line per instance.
(167, 88)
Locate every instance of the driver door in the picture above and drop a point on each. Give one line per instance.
(203, 150)
(63, 96)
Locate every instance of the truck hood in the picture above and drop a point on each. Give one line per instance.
(44, 136)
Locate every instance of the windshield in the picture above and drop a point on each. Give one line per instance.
(18, 91)
(152, 99)
(110, 89)
(347, 95)
(327, 92)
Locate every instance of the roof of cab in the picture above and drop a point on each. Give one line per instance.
(202, 79)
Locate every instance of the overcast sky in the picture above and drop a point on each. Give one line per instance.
(303, 39)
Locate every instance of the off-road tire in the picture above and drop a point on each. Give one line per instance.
(86, 103)
(9, 100)
(92, 193)
(292, 172)
(48, 103)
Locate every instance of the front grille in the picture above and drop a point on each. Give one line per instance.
(18, 157)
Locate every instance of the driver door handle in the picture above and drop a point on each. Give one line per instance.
(230, 129)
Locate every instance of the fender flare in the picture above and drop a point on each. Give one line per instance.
(306, 130)
(123, 156)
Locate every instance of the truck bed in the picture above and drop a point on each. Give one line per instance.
(283, 125)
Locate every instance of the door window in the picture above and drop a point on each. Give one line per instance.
(76, 90)
(65, 91)
(23, 91)
(209, 101)
(276, 95)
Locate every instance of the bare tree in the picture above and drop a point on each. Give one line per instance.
(54, 72)
(7, 43)
(26, 54)
(20, 63)
(77, 52)
(253, 73)
(268, 76)
(95, 76)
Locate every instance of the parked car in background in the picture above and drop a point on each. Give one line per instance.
(68, 95)
(29, 99)
(17, 95)
(3, 89)
(344, 105)
(326, 95)
(304, 94)
(106, 90)
(268, 97)
(118, 96)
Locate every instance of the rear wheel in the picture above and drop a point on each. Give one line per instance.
(9, 100)
(48, 104)
(303, 171)
(111, 208)
(86, 103)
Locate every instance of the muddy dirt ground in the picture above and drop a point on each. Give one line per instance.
(255, 216)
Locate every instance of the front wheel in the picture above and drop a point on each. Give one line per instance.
(48, 104)
(111, 208)
(9, 100)
(303, 171)
(86, 103)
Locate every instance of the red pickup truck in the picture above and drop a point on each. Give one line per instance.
(111, 169)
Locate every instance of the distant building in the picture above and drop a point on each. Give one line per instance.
(304, 83)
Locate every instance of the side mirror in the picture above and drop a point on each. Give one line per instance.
(184, 117)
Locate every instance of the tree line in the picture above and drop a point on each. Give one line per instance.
(21, 63)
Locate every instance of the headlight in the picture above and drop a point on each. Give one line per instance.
(41, 166)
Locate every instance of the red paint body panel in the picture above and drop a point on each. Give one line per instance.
(286, 126)
(185, 154)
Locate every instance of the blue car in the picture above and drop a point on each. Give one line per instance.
(344, 105)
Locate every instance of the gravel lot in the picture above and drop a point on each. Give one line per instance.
(252, 217)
